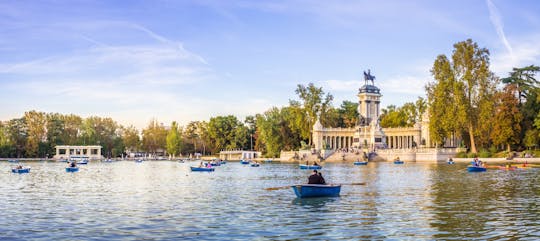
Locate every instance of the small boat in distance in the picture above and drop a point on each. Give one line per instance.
(20, 169)
(72, 169)
(398, 161)
(138, 160)
(202, 169)
(476, 169)
(316, 190)
(255, 164)
(244, 162)
(359, 163)
(310, 167)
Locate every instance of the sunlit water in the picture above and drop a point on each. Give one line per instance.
(164, 200)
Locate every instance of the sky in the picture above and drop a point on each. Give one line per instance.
(192, 60)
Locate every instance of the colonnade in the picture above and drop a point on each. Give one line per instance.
(338, 142)
(401, 142)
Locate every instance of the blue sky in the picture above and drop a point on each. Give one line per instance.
(192, 60)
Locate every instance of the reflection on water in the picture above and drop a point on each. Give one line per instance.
(313, 204)
(164, 200)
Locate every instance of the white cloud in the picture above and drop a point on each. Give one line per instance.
(526, 51)
(496, 20)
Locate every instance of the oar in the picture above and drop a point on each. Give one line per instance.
(285, 187)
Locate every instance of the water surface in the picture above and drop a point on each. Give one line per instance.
(164, 200)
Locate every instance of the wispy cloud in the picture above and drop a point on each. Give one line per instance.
(496, 20)
(526, 52)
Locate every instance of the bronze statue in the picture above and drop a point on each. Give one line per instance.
(368, 76)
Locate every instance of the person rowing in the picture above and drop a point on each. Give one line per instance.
(316, 178)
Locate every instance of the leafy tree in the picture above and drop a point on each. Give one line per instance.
(18, 133)
(226, 132)
(531, 138)
(392, 117)
(269, 125)
(507, 118)
(130, 138)
(154, 137)
(525, 81)
(348, 113)
(460, 87)
(36, 131)
(71, 130)
(312, 102)
(174, 140)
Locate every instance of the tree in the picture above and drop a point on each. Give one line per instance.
(269, 125)
(154, 137)
(18, 133)
(312, 102)
(131, 139)
(174, 140)
(348, 113)
(531, 138)
(226, 132)
(460, 86)
(524, 79)
(507, 118)
(36, 131)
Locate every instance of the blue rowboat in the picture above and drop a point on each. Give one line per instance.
(255, 164)
(202, 169)
(316, 190)
(23, 170)
(72, 169)
(244, 162)
(302, 166)
(451, 163)
(476, 169)
(360, 163)
(398, 162)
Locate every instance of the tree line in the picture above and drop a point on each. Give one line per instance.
(465, 99)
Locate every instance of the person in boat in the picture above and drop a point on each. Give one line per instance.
(475, 162)
(315, 178)
(397, 159)
(321, 179)
(72, 164)
(201, 164)
(450, 160)
(19, 167)
(208, 165)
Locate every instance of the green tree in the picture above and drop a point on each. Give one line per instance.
(467, 82)
(36, 132)
(524, 79)
(72, 128)
(531, 138)
(312, 102)
(348, 112)
(154, 137)
(174, 140)
(18, 133)
(226, 132)
(507, 118)
(131, 139)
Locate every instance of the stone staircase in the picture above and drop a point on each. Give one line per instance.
(351, 157)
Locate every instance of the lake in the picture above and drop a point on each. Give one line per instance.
(164, 200)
